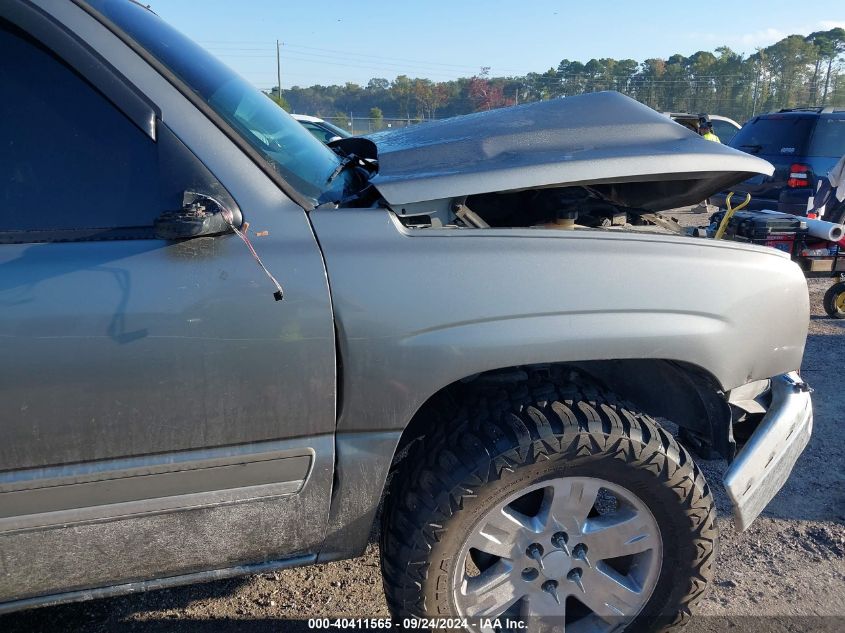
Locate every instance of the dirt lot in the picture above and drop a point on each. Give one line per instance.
(786, 573)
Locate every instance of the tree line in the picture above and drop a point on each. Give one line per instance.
(797, 71)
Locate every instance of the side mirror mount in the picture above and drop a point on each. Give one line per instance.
(199, 216)
(202, 215)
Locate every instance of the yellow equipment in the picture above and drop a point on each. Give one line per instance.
(723, 225)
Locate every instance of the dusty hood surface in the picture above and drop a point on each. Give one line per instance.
(621, 148)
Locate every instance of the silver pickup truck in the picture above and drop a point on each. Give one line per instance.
(226, 345)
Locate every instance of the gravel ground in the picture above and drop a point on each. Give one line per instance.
(786, 573)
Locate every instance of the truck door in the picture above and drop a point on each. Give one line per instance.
(161, 413)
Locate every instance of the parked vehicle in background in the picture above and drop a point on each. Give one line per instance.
(802, 143)
(322, 130)
(723, 127)
(442, 313)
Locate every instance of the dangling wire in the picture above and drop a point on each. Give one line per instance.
(229, 218)
(279, 294)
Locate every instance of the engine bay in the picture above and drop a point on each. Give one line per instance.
(547, 208)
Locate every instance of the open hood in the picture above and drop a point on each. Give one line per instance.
(625, 151)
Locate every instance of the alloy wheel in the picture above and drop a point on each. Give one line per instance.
(576, 553)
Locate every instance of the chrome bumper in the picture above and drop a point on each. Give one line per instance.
(765, 462)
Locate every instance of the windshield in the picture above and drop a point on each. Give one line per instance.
(339, 131)
(299, 158)
(324, 132)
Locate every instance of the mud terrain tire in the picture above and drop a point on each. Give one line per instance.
(549, 426)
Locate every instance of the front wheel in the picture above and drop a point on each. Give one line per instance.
(834, 300)
(555, 506)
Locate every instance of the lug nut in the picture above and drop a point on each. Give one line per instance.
(580, 552)
(535, 551)
(529, 574)
(575, 576)
(550, 587)
(559, 540)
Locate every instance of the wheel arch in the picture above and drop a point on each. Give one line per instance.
(679, 392)
(682, 393)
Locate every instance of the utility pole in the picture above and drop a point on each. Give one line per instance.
(278, 71)
(516, 99)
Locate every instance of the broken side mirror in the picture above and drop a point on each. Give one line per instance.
(199, 216)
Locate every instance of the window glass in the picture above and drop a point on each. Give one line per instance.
(775, 135)
(829, 138)
(324, 132)
(69, 159)
(296, 155)
(324, 136)
(724, 130)
(337, 131)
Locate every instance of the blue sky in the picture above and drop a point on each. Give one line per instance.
(332, 42)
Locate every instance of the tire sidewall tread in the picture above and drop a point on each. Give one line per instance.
(505, 438)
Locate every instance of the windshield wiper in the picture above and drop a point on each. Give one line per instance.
(345, 163)
(362, 172)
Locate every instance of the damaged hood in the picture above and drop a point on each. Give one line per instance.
(620, 148)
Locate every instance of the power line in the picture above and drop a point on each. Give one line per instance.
(346, 54)
(329, 60)
(426, 62)
(393, 66)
